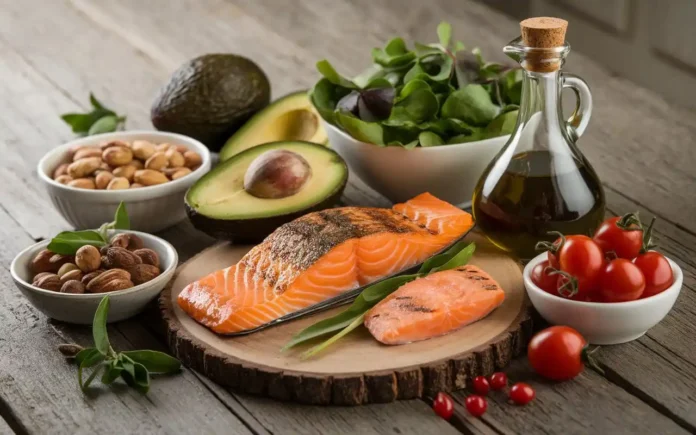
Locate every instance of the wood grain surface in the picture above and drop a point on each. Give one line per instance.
(52, 54)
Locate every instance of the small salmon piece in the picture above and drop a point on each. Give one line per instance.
(434, 305)
(319, 256)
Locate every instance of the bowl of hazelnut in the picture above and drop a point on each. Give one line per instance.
(150, 171)
(132, 269)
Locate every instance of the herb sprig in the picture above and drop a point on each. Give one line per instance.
(99, 120)
(68, 242)
(134, 366)
(351, 318)
(431, 95)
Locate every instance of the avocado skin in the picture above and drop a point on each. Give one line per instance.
(252, 231)
(208, 98)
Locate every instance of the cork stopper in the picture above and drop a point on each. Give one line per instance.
(543, 32)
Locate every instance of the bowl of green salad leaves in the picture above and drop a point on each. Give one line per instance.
(426, 118)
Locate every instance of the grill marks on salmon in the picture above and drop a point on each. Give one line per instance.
(434, 305)
(320, 256)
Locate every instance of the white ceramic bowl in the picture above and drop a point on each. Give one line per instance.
(151, 209)
(450, 172)
(80, 308)
(603, 323)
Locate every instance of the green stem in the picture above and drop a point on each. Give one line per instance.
(316, 349)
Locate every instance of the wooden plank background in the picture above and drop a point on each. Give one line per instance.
(52, 54)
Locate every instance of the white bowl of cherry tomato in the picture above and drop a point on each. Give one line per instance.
(612, 287)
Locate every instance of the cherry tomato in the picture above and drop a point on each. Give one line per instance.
(621, 281)
(522, 393)
(540, 277)
(657, 272)
(498, 380)
(621, 235)
(583, 259)
(481, 385)
(557, 353)
(443, 405)
(476, 405)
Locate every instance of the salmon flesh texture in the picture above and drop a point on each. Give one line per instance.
(320, 256)
(434, 305)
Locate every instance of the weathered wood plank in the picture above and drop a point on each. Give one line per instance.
(41, 390)
(5, 427)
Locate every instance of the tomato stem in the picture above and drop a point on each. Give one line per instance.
(647, 238)
(586, 357)
(630, 222)
(570, 287)
(554, 246)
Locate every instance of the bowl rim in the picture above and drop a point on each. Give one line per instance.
(665, 294)
(14, 265)
(127, 194)
(330, 126)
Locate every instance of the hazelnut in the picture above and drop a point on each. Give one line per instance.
(72, 286)
(41, 262)
(64, 179)
(83, 183)
(61, 170)
(163, 147)
(148, 256)
(136, 185)
(141, 273)
(49, 282)
(126, 171)
(143, 149)
(85, 152)
(149, 177)
(90, 276)
(118, 183)
(117, 156)
(109, 281)
(175, 158)
(103, 179)
(120, 258)
(88, 258)
(126, 240)
(157, 161)
(192, 159)
(72, 275)
(84, 167)
(67, 267)
(57, 260)
(182, 172)
(114, 143)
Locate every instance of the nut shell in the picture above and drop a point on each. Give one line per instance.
(182, 172)
(175, 158)
(57, 260)
(148, 256)
(83, 183)
(84, 167)
(149, 177)
(67, 267)
(38, 276)
(61, 170)
(88, 258)
(90, 276)
(118, 183)
(126, 240)
(157, 161)
(42, 262)
(49, 282)
(73, 287)
(126, 171)
(85, 152)
(117, 156)
(121, 258)
(141, 273)
(114, 143)
(64, 179)
(72, 275)
(192, 159)
(143, 149)
(103, 179)
(109, 281)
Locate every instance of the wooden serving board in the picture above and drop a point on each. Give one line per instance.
(357, 369)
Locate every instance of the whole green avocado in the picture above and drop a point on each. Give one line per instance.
(208, 98)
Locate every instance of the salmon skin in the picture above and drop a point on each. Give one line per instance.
(434, 305)
(322, 258)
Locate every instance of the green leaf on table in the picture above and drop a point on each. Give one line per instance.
(444, 33)
(99, 120)
(377, 292)
(345, 331)
(429, 139)
(84, 385)
(121, 219)
(442, 258)
(328, 71)
(89, 357)
(112, 372)
(105, 124)
(370, 132)
(460, 258)
(101, 337)
(459, 46)
(68, 242)
(96, 103)
(137, 376)
(154, 361)
(471, 104)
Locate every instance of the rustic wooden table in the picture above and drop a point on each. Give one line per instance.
(53, 53)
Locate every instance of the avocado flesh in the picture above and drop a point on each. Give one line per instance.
(220, 194)
(291, 118)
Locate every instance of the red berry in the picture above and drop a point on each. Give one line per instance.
(522, 393)
(476, 405)
(498, 380)
(481, 385)
(443, 405)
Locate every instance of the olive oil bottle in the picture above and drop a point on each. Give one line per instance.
(540, 181)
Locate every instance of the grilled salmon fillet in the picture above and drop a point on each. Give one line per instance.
(434, 305)
(319, 256)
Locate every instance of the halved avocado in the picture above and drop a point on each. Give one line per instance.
(290, 118)
(219, 205)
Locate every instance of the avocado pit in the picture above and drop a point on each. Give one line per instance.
(276, 174)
